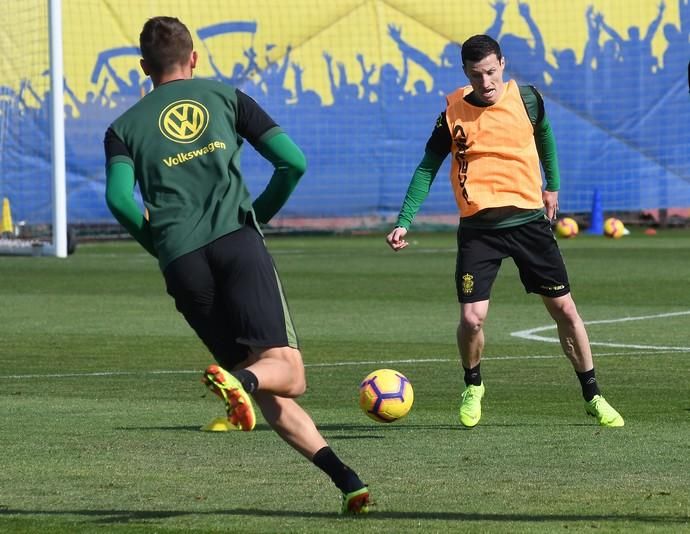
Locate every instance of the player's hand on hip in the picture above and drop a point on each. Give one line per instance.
(396, 239)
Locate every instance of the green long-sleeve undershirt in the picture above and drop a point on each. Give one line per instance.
(289, 165)
(287, 159)
(548, 155)
(119, 189)
(419, 187)
(426, 171)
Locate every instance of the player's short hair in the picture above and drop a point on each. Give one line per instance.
(478, 47)
(165, 42)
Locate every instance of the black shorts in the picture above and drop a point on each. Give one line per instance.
(230, 294)
(533, 248)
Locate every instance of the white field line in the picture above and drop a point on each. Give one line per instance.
(531, 333)
(524, 334)
(368, 363)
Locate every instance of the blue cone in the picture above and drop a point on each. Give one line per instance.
(596, 220)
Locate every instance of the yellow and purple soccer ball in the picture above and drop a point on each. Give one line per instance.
(614, 228)
(385, 395)
(567, 227)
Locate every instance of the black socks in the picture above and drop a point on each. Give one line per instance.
(247, 379)
(345, 479)
(473, 377)
(588, 381)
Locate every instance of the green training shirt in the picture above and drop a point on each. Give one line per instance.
(183, 142)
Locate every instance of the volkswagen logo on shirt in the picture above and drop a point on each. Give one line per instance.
(183, 121)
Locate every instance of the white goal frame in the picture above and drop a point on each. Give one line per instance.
(58, 246)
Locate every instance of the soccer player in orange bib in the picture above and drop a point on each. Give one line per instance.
(499, 135)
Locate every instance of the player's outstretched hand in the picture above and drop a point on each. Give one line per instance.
(396, 239)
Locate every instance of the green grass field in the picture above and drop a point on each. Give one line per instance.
(102, 402)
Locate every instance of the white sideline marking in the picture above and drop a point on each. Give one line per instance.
(530, 333)
(524, 334)
(454, 359)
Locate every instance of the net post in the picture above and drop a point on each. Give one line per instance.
(57, 120)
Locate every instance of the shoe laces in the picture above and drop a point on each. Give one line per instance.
(598, 403)
(471, 392)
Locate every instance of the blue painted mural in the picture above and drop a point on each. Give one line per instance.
(618, 112)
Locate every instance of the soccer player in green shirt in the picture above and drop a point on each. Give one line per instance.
(181, 144)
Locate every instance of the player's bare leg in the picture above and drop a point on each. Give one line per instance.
(470, 333)
(470, 339)
(575, 344)
(571, 331)
(276, 376)
(279, 370)
(291, 422)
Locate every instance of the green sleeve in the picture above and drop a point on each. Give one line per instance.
(419, 187)
(546, 147)
(119, 187)
(289, 165)
(543, 136)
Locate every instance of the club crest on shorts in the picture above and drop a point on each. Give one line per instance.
(467, 284)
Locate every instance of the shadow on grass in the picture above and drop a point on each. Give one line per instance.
(185, 428)
(404, 426)
(368, 428)
(129, 516)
